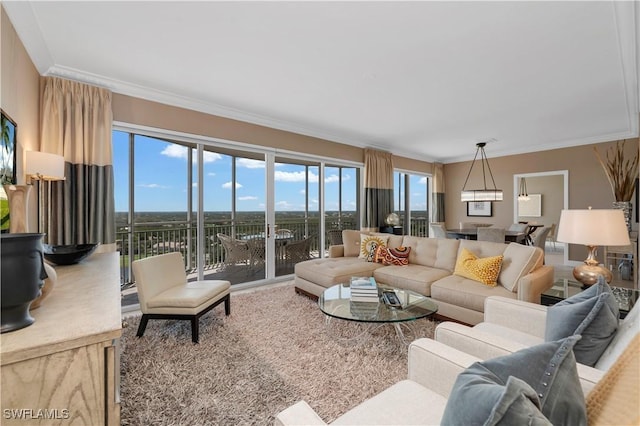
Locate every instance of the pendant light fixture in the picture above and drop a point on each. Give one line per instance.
(523, 195)
(485, 194)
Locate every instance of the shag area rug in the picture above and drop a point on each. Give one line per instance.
(272, 351)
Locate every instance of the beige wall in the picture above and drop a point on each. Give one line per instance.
(20, 99)
(588, 185)
(20, 91)
(138, 111)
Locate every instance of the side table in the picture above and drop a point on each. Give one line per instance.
(564, 288)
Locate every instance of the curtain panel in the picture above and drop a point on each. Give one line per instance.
(76, 123)
(437, 209)
(378, 187)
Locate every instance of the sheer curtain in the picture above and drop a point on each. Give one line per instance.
(76, 122)
(378, 188)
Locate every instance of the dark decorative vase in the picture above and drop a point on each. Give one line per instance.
(22, 275)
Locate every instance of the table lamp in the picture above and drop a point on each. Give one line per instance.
(43, 166)
(592, 228)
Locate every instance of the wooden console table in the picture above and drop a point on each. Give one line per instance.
(64, 368)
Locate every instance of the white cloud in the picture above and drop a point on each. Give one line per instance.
(250, 164)
(332, 179)
(211, 174)
(303, 191)
(281, 176)
(152, 186)
(227, 185)
(247, 198)
(423, 180)
(179, 151)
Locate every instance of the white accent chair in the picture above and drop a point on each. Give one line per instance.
(164, 292)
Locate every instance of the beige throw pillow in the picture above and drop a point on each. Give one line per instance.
(369, 244)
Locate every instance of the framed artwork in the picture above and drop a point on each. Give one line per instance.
(7, 165)
(531, 207)
(479, 208)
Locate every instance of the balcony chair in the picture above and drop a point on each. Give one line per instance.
(257, 253)
(164, 292)
(335, 237)
(298, 251)
(235, 251)
(284, 233)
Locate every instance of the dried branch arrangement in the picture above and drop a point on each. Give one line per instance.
(621, 173)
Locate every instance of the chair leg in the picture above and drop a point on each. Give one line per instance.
(194, 329)
(227, 305)
(143, 325)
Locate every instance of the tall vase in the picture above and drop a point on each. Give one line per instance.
(626, 207)
(18, 195)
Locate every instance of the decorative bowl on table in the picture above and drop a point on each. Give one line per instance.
(68, 254)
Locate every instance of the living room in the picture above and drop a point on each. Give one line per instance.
(586, 185)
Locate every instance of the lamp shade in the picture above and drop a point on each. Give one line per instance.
(593, 228)
(44, 165)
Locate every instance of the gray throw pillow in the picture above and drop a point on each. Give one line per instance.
(537, 386)
(593, 314)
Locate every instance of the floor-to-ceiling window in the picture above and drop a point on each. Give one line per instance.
(261, 213)
(411, 202)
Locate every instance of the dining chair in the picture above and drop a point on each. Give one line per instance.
(551, 236)
(438, 230)
(491, 234)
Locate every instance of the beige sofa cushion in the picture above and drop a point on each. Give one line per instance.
(435, 252)
(330, 271)
(351, 242)
(518, 261)
(412, 277)
(190, 295)
(466, 293)
(405, 402)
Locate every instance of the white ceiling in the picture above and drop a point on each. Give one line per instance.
(421, 79)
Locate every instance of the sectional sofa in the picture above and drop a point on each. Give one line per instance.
(430, 271)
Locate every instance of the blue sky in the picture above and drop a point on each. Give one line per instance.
(161, 181)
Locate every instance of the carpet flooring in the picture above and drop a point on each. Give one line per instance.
(272, 351)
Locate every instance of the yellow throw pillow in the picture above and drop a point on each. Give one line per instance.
(369, 244)
(485, 270)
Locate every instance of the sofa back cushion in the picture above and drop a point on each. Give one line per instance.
(435, 252)
(519, 260)
(351, 242)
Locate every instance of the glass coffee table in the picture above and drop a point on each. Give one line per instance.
(335, 302)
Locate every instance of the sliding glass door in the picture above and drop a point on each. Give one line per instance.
(234, 214)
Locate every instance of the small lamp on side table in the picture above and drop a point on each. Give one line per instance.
(43, 166)
(592, 228)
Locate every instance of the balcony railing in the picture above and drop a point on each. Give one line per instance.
(154, 238)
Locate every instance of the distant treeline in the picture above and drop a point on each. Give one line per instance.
(142, 217)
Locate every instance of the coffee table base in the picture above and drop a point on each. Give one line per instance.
(368, 329)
